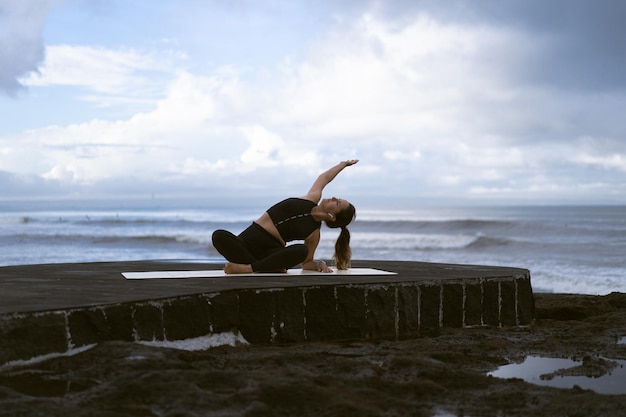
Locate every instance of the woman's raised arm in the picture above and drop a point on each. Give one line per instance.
(315, 193)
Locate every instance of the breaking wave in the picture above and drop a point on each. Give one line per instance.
(566, 248)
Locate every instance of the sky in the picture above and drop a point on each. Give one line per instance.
(470, 102)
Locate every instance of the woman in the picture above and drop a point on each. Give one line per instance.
(262, 247)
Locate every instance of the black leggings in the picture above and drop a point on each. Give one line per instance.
(257, 247)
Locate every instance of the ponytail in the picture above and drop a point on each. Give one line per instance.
(343, 253)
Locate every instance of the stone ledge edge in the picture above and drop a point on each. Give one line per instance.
(394, 311)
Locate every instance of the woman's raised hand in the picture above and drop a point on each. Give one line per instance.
(350, 162)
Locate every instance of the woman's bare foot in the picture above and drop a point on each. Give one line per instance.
(233, 268)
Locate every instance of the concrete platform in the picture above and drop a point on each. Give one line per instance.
(49, 309)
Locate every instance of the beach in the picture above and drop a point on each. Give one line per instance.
(568, 361)
(442, 374)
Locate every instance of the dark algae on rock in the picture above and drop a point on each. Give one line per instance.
(444, 374)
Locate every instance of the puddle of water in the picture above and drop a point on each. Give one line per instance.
(538, 370)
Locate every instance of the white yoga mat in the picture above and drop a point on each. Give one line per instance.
(218, 273)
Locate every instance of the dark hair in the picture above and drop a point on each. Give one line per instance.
(343, 253)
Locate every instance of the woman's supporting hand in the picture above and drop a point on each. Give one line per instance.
(322, 267)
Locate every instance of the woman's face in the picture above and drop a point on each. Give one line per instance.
(334, 205)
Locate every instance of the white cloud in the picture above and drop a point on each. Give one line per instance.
(98, 68)
(264, 148)
(65, 173)
(106, 77)
(427, 106)
(180, 125)
(396, 155)
(612, 162)
(267, 149)
(605, 153)
(379, 80)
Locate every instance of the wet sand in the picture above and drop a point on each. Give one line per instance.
(439, 374)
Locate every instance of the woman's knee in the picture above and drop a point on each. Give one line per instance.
(220, 235)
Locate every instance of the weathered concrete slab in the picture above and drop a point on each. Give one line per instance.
(55, 308)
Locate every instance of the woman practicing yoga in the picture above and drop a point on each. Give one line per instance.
(262, 247)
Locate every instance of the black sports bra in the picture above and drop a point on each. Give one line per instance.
(292, 217)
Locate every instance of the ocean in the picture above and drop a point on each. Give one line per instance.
(570, 249)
